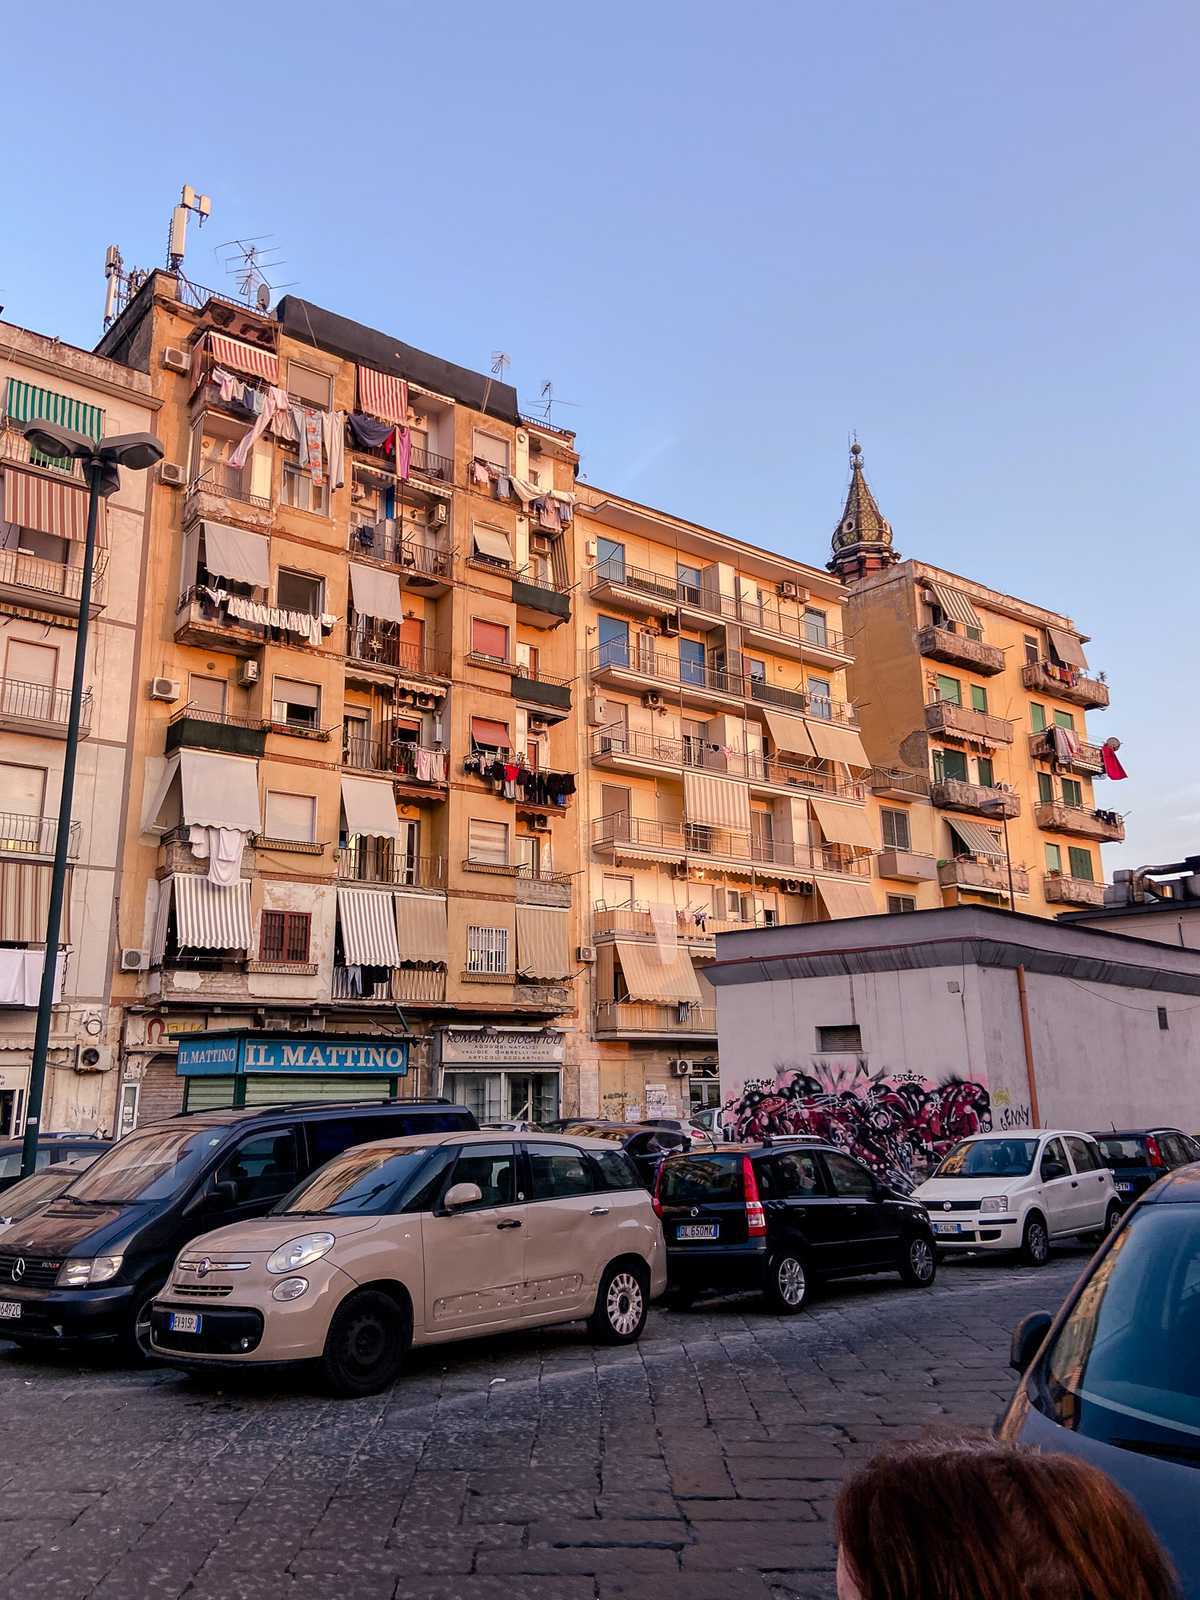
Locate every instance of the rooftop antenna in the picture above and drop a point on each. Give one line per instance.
(189, 200)
(501, 361)
(247, 261)
(114, 271)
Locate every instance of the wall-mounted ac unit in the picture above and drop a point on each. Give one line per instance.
(670, 625)
(171, 474)
(586, 954)
(537, 724)
(164, 689)
(176, 360)
(787, 590)
(589, 548)
(92, 1058)
(248, 674)
(597, 711)
(135, 960)
(440, 513)
(792, 886)
(652, 700)
(679, 869)
(681, 1068)
(539, 824)
(539, 544)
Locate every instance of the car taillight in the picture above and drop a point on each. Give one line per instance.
(756, 1217)
(1152, 1150)
(655, 1200)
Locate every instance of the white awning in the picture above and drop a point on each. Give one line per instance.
(835, 743)
(216, 791)
(649, 977)
(980, 841)
(237, 554)
(790, 734)
(955, 605)
(375, 593)
(1067, 648)
(491, 542)
(844, 899)
(542, 948)
(421, 928)
(212, 916)
(368, 922)
(717, 801)
(370, 808)
(843, 824)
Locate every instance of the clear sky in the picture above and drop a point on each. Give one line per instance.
(729, 235)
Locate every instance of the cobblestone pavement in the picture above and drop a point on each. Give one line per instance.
(701, 1463)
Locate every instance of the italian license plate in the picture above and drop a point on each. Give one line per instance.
(10, 1310)
(1124, 1188)
(696, 1230)
(185, 1322)
(947, 1227)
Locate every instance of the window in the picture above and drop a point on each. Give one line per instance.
(689, 579)
(297, 591)
(296, 704)
(788, 1177)
(297, 489)
(490, 448)
(897, 904)
(264, 1167)
(557, 1173)
(487, 950)
(489, 639)
(1037, 717)
(489, 735)
(310, 387)
(840, 1036)
(291, 816)
(491, 544)
(487, 842)
(819, 702)
(985, 772)
(979, 700)
(529, 657)
(284, 935)
(1072, 792)
(815, 630)
(206, 694)
(949, 689)
(1164, 1020)
(1053, 1154)
(610, 560)
(24, 790)
(1033, 651)
(949, 765)
(1053, 858)
(1045, 788)
(1083, 1155)
(617, 891)
(1081, 863)
(493, 1168)
(614, 642)
(896, 833)
(527, 854)
(617, 1171)
(756, 670)
(850, 1180)
(691, 661)
(1065, 719)
(31, 671)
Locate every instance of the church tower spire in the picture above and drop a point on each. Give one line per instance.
(862, 540)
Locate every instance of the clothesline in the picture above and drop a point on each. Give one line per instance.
(308, 627)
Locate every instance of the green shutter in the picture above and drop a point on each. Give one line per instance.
(1045, 788)
(986, 771)
(1072, 791)
(1037, 717)
(1065, 719)
(26, 402)
(978, 697)
(1081, 864)
(949, 689)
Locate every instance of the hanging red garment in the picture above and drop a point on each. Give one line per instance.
(1112, 764)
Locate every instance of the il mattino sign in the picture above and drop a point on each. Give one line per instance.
(236, 1053)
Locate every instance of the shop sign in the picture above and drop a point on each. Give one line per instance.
(498, 1046)
(332, 1054)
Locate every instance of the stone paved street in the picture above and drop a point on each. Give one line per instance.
(701, 1463)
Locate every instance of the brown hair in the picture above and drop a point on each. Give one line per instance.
(984, 1521)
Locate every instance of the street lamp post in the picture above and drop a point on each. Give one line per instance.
(999, 808)
(100, 461)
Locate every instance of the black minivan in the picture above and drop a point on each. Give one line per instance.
(88, 1266)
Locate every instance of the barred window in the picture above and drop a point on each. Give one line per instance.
(284, 936)
(487, 950)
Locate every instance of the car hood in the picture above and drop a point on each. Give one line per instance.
(262, 1235)
(63, 1225)
(937, 1189)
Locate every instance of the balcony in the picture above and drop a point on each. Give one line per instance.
(423, 565)
(945, 644)
(15, 447)
(422, 463)
(623, 837)
(378, 645)
(1065, 683)
(637, 1019)
(539, 605)
(953, 721)
(1087, 759)
(221, 493)
(410, 986)
(25, 835)
(1106, 827)
(204, 622)
(646, 669)
(635, 921)
(615, 583)
(413, 767)
(1062, 890)
(370, 860)
(175, 855)
(982, 875)
(632, 750)
(953, 794)
(535, 885)
(31, 580)
(36, 708)
(897, 783)
(907, 866)
(543, 689)
(214, 730)
(784, 633)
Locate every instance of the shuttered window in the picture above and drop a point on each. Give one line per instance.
(895, 830)
(487, 842)
(291, 816)
(311, 387)
(489, 735)
(487, 950)
(489, 639)
(284, 936)
(1081, 863)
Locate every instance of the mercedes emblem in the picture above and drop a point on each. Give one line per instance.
(18, 1268)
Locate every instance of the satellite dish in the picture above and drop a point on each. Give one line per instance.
(262, 296)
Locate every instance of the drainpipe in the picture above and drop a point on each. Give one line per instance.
(1030, 1071)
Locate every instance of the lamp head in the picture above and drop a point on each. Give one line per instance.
(57, 442)
(137, 451)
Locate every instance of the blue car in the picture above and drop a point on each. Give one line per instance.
(1115, 1376)
(1138, 1157)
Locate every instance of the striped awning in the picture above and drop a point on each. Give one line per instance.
(212, 916)
(843, 899)
(46, 505)
(717, 801)
(243, 357)
(368, 923)
(369, 805)
(421, 927)
(542, 948)
(24, 901)
(955, 605)
(978, 840)
(835, 743)
(26, 402)
(383, 396)
(649, 977)
(842, 824)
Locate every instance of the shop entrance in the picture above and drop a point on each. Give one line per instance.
(12, 1112)
(505, 1096)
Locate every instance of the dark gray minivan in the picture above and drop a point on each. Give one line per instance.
(88, 1266)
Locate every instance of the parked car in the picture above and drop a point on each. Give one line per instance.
(778, 1217)
(1114, 1376)
(694, 1132)
(517, 1125)
(1020, 1192)
(1138, 1157)
(420, 1241)
(21, 1200)
(645, 1145)
(51, 1148)
(87, 1266)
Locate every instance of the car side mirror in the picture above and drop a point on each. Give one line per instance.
(224, 1193)
(459, 1195)
(1052, 1170)
(1027, 1339)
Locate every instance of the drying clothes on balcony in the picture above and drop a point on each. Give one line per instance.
(369, 433)
(403, 451)
(222, 848)
(430, 765)
(543, 788)
(480, 474)
(309, 429)
(1111, 761)
(1065, 745)
(1112, 818)
(276, 407)
(525, 492)
(21, 977)
(333, 435)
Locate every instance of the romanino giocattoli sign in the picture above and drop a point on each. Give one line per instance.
(331, 1054)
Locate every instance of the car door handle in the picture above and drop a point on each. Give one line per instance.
(512, 1222)
(1074, 1184)
(601, 1211)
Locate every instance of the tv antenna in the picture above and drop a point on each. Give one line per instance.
(501, 361)
(247, 261)
(547, 400)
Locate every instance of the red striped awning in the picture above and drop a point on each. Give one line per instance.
(243, 357)
(45, 504)
(383, 396)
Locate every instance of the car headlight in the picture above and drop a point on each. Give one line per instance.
(994, 1202)
(96, 1269)
(299, 1252)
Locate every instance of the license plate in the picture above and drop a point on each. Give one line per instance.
(10, 1310)
(1125, 1188)
(185, 1322)
(947, 1227)
(696, 1230)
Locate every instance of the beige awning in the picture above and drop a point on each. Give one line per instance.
(491, 542)
(370, 808)
(212, 916)
(649, 977)
(843, 824)
(955, 605)
(1067, 648)
(237, 554)
(717, 801)
(790, 734)
(980, 841)
(215, 791)
(835, 743)
(845, 899)
(421, 928)
(368, 924)
(376, 593)
(25, 900)
(542, 948)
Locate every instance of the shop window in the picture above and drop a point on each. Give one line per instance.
(896, 833)
(295, 704)
(291, 816)
(1081, 863)
(840, 1036)
(487, 842)
(298, 490)
(489, 639)
(487, 950)
(900, 903)
(284, 936)
(297, 591)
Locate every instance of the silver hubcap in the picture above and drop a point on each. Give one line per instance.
(921, 1259)
(624, 1303)
(791, 1280)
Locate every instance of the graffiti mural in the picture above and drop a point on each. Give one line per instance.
(898, 1124)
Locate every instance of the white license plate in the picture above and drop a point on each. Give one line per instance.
(10, 1310)
(185, 1322)
(696, 1230)
(1125, 1188)
(947, 1227)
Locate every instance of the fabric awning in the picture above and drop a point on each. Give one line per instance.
(790, 734)
(649, 977)
(835, 743)
(376, 593)
(212, 916)
(45, 505)
(1067, 648)
(491, 542)
(542, 948)
(29, 402)
(979, 841)
(368, 923)
(845, 899)
(370, 808)
(843, 824)
(421, 928)
(237, 554)
(382, 395)
(25, 899)
(243, 357)
(219, 791)
(955, 605)
(717, 801)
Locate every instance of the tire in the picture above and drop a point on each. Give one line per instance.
(622, 1304)
(1111, 1217)
(365, 1346)
(918, 1261)
(134, 1340)
(1035, 1242)
(787, 1283)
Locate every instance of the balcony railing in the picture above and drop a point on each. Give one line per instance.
(617, 656)
(15, 447)
(945, 644)
(1065, 683)
(216, 730)
(1088, 758)
(617, 740)
(219, 478)
(982, 873)
(704, 839)
(411, 762)
(1061, 889)
(897, 781)
(808, 705)
(953, 721)
(379, 645)
(43, 578)
(383, 541)
(403, 985)
(370, 860)
(24, 835)
(636, 921)
(521, 870)
(633, 1016)
(1106, 826)
(38, 703)
(954, 794)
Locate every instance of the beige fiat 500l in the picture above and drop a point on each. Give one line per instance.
(420, 1240)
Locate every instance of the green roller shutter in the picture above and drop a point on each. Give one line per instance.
(208, 1094)
(277, 1089)
(26, 402)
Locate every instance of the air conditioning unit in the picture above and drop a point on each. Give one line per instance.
(792, 886)
(539, 544)
(164, 688)
(92, 1058)
(805, 888)
(652, 700)
(597, 711)
(135, 960)
(679, 869)
(681, 1068)
(171, 474)
(440, 513)
(791, 591)
(586, 954)
(176, 360)
(537, 724)
(670, 625)
(248, 674)
(539, 824)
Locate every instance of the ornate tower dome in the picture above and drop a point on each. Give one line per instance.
(862, 540)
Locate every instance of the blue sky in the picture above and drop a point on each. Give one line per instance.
(729, 236)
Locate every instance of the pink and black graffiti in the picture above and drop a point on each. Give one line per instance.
(899, 1126)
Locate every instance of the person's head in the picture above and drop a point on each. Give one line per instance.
(984, 1521)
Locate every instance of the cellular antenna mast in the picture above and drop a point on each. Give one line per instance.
(189, 200)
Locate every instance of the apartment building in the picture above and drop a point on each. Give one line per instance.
(352, 843)
(43, 519)
(980, 700)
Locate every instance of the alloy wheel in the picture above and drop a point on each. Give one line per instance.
(920, 1259)
(623, 1303)
(789, 1275)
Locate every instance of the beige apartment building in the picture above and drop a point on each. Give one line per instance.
(43, 519)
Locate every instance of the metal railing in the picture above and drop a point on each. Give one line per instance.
(619, 656)
(899, 779)
(384, 754)
(41, 576)
(37, 702)
(1065, 682)
(379, 644)
(635, 1016)
(225, 719)
(1088, 758)
(371, 860)
(15, 447)
(411, 985)
(637, 920)
(1080, 820)
(521, 870)
(617, 740)
(939, 642)
(708, 839)
(22, 834)
(422, 462)
(218, 477)
(382, 541)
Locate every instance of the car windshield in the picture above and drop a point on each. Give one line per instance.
(150, 1165)
(1122, 1152)
(24, 1198)
(989, 1158)
(1123, 1368)
(696, 1178)
(362, 1183)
